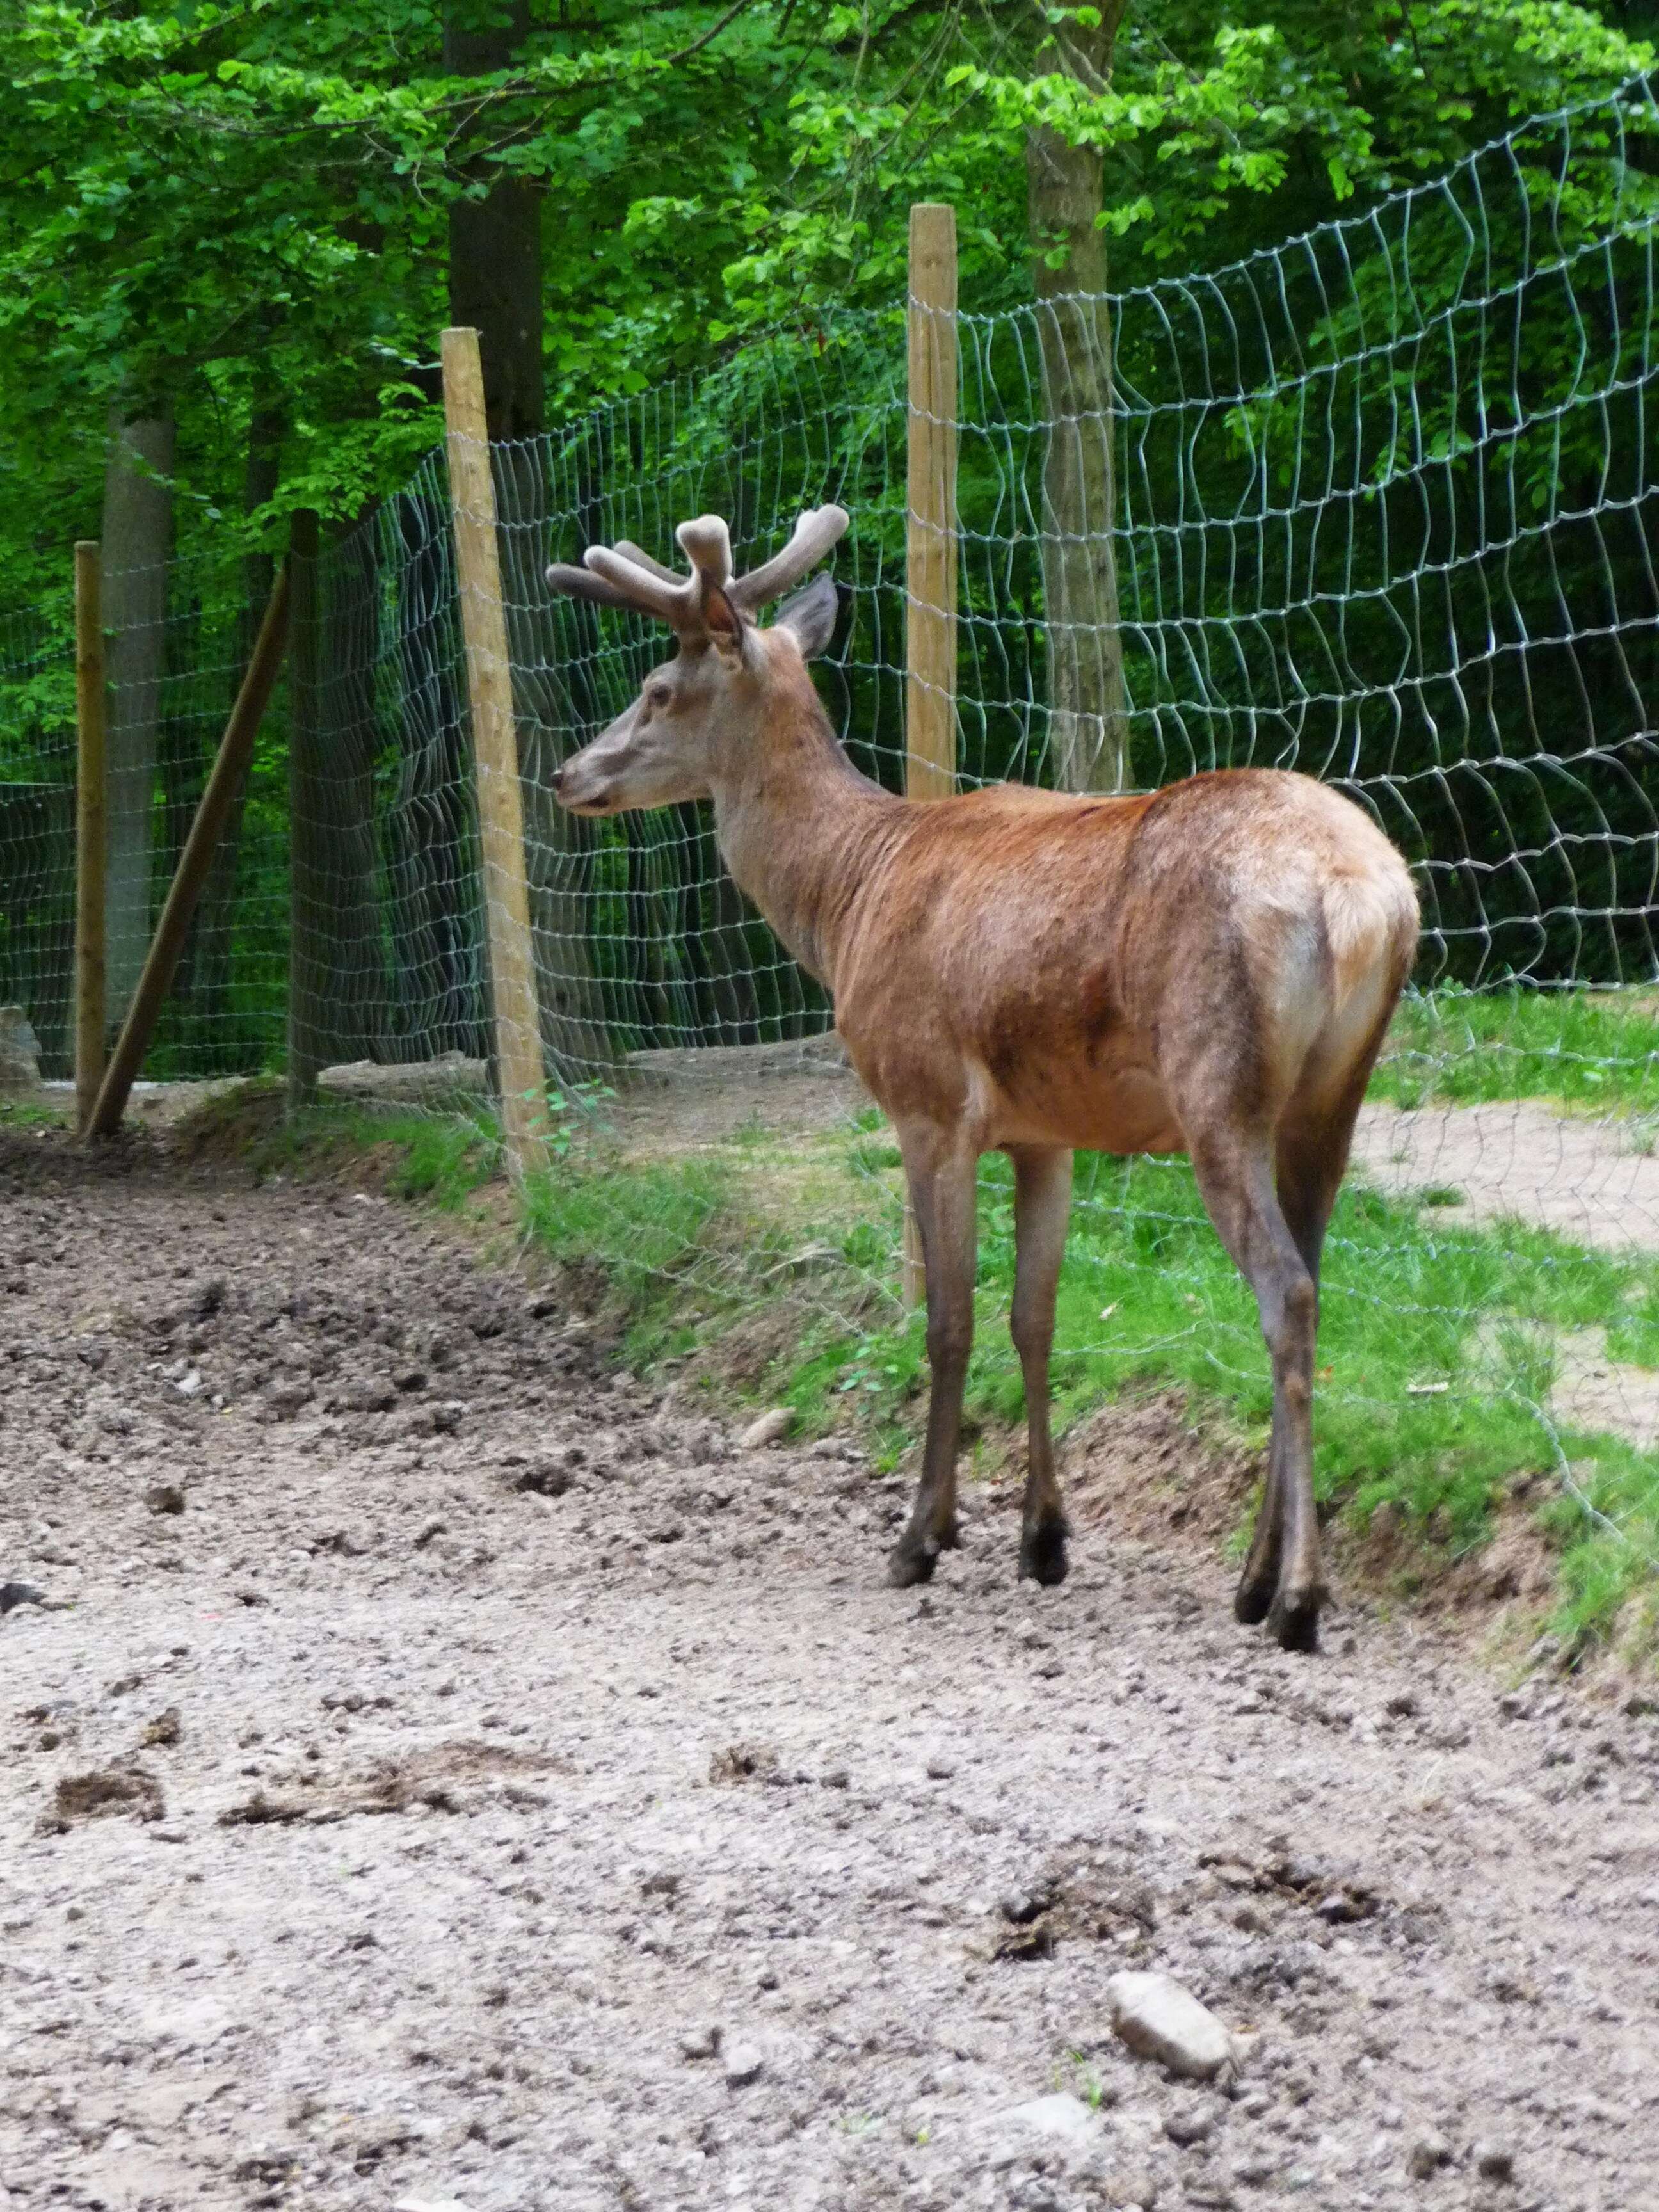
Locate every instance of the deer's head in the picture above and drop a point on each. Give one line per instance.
(702, 712)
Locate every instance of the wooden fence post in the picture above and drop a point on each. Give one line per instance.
(91, 829)
(230, 765)
(496, 756)
(930, 601)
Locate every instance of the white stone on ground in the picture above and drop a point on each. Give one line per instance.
(743, 2064)
(1062, 2116)
(770, 1429)
(1158, 2019)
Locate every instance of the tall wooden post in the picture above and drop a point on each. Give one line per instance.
(930, 697)
(224, 780)
(496, 756)
(91, 829)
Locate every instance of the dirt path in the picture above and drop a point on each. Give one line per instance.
(441, 1821)
(1585, 1176)
(1575, 1174)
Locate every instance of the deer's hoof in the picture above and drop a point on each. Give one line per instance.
(1042, 1553)
(911, 1564)
(1293, 1622)
(1253, 1600)
(950, 1536)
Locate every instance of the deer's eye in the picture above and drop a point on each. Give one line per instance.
(656, 698)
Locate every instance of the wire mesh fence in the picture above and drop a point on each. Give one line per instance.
(1379, 505)
(175, 654)
(37, 829)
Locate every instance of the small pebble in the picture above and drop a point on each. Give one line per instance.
(1190, 2123)
(743, 2064)
(1427, 2155)
(1494, 2161)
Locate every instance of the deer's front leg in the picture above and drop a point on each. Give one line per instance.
(1042, 1201)
(940, 1171)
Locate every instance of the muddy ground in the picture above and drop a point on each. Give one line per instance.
(451, 1773)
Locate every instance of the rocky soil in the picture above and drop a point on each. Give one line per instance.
(446, 1772)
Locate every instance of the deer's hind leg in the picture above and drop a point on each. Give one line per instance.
(1234, 1167)
(1311, 1148)
(1311, 1151)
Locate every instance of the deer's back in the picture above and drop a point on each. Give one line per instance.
(1034, 958)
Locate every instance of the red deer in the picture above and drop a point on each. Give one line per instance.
(1208, 968)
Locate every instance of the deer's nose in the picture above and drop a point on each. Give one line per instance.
(558, 779)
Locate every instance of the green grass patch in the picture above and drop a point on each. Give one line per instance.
(1597, 1050)
(442, 1158)
(19, 1114)
(659, 1233)
(1438, 1343)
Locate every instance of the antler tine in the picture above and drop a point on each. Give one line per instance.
(581, 584)
(815, 534)
(706, 544)
(624, 576)
(648, 561)
(674, 601)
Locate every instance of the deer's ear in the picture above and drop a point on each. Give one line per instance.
(810, 617)
(725, 625)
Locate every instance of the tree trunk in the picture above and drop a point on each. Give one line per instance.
(209, 957)
(336, 961)
(495, 288)
(732, 975)
(432, 860)
(495, 242)
(575, 1037)
(136, 539)
(308, 883)
(1088, 733)
(348, 588)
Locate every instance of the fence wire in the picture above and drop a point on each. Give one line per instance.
(1379, 505)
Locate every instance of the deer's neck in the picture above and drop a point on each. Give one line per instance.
(805, 836)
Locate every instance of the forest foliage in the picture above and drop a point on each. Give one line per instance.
(230, 231)
(242, 208)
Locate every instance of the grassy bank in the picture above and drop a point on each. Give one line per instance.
(1593, 1050)
(769, 1263)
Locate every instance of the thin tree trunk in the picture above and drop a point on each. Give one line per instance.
(349, 586)
(138, 530)
(1088, 735)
